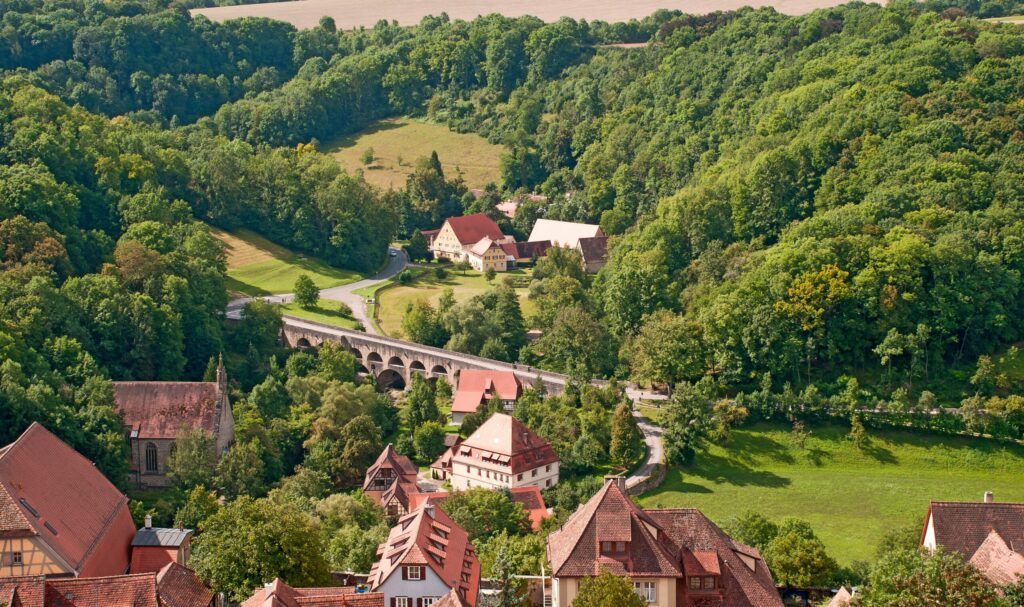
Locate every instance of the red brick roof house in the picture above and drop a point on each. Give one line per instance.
(523, 253)
(457, 237)
(396, 499)
(452, 599)
(988, 534)
(503, 452)
(181, 589)
(476, 387)
(279, 594)
(179, 586)
(391, 467)
(426, 555)
(529, 498)
(59, 516)
(153, 547)
(674, 557)
(441, 469)
(157, 412)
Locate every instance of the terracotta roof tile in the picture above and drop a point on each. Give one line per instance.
(179, 586)
(997, 561)
(389, 459)
(162, 409)
(114, 591)
(279, 594)
(452, 599)
(469, 229)
(503, 435)
(964, 526)
(67, 503)
(593, 249)
(477, 386)
(28, 591)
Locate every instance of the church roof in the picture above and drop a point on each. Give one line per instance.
(163, 409)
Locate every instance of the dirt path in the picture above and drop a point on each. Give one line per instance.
(350, 14)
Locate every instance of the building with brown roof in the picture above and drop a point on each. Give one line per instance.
(988, 534)
(503, 452)
(452, 599)
(441, 469)
(157, 412)
(390, 468)
(476, 387)
(594, 252)
(487, 254)
(59, 516)
(179, 586)
(179, 589)
(279, 594)
(476, 239)
(426, 556)
(674, 557)
(154, 547)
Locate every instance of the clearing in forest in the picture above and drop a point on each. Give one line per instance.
(257, 266)
(851, 496)
(399, 142)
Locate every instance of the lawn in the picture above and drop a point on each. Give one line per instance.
(850, 497)
(326, 312)
(392, 301)
(257, 266)
(398, 143)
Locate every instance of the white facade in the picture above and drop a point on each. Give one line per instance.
(467, 472)
(427, 590)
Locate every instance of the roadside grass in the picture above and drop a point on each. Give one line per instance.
(257, 266)
(326, 311)
(850, 496)
(408, 140)
(392, 302)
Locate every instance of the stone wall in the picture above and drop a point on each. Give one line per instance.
(648, 483)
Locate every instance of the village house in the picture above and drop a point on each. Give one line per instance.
(674, 557)
(458, 236)
(153, 547)
(524, 253)
(279, 594)
(487, 255)
(477, 387)
(452, 599)
(172, 586)
(586, 238)
(157, 412)
(594, 252)
(988, 534)
(503, 452)
(426, 556)
(59, 516)
(390, 469)
(441, 469)
(529, 498)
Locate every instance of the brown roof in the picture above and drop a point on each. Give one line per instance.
(527, 250)
(507, 440)
(389, 459)
(400, 492)
(279, 594)
(470, 229)
(841, 599)
(997, 561)
(478, 386)
(28, 591)
(964, 526)
(594, 248)
(179, 586)
(429, 537)
(66, 502)
(162, 409)
(660, 543)
(452, 599)
(114, 591)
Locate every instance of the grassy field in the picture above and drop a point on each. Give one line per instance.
(326, 312)
(392, 302)
(257, 266)
(851, 497)
(408, 140)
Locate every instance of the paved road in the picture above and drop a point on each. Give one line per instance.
(344, 293)
(655, 450)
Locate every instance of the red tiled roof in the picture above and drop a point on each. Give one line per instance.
(279, 594)
(661, 543)
(28, 591)
(469, 229)
(410, 542)
(179, 586)
(478, 386)
(526, 250)
(964, 526)
(997, 561)
(114, 591)
(504, 437)
(389, 459)
(66, 502)
(452, 599)
(162, 409)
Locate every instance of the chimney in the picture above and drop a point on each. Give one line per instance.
(149, 522)
(989, 498)
(618, 480)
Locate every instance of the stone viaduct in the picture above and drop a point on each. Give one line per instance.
(393, 361)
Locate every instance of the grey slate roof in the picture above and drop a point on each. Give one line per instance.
(157, 536)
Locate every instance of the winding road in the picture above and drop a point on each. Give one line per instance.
(397, 261)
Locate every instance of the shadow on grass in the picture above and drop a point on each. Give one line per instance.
(747, 446)
(728, 471)
(350, 140)
(879, 453)
(237, 286)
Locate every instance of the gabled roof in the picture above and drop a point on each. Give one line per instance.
(963, 526)
(51, 491)
(400, 492)
(470, 229)
(508, 441)
(179, 586)
(526, 250)
(997, 561)
(477, 386)
(162, 409)
(593, 249)
(393, 460)
(113, 591)
(428, 537)
(660, 543)
(452, 599)
(279, 594)
(841, 599)
(563, 233)
(27, 591)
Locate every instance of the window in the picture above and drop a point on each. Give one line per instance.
(429, 600)
(709, 582)
(547, 483)
(403, 601)
(694, 583)
(414, 573)
(16, 558)
(519, 477)
(648, 591)
(534, 473)
(151, 457)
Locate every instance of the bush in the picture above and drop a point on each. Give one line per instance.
(490, 274)
(440, 273)
(405, 277)
(345, 310)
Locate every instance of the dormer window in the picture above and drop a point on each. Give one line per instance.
(613, 548)
(703, 582)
